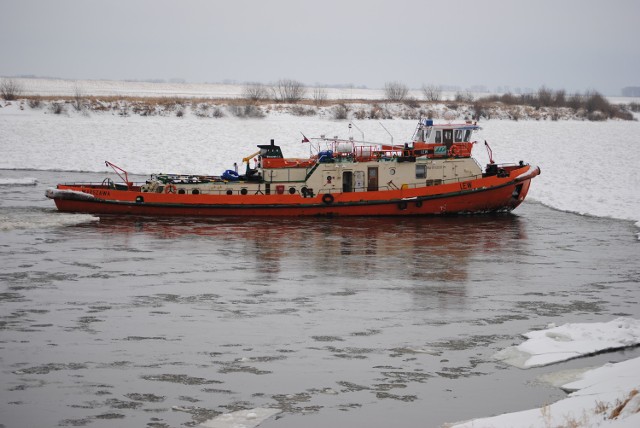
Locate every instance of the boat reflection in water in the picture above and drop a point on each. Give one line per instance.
(419, 253)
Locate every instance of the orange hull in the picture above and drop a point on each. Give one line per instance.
(488, 194)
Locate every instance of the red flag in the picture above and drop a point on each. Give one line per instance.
(304, 139)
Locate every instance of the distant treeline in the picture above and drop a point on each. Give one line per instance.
(257, 99)
(593, 104)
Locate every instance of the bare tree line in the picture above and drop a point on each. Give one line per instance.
(291, 91)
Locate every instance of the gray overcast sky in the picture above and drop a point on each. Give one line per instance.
(563, 44)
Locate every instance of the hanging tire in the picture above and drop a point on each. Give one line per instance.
(418, 204)
(327, 198)
(402, 205)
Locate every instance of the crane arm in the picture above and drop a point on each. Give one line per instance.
(248, 158)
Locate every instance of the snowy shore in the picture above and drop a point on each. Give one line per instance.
(603, 397)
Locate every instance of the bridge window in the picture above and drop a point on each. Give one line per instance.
(421, 171)
(448, 136)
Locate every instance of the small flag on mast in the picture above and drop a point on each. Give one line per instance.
(304, 139)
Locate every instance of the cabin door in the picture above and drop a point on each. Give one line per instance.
(359, 181)
(447, 137)
(372, 179)
(347, 181)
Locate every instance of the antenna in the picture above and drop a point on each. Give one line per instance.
(361, 133)
(387, 132)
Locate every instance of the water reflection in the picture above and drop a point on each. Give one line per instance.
(417, 249)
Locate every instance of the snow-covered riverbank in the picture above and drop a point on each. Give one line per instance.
(601, 397)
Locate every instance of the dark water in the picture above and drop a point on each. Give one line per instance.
(343, 322)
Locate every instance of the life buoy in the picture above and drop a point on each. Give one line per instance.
(327, 198)
(170, 188)
(455, 151)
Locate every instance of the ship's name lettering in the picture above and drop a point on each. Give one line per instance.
(97, 192)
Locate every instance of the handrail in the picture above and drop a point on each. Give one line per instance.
(99, 183)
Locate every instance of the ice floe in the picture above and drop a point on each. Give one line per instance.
(569, 341)
(241, 419)
(23, 181)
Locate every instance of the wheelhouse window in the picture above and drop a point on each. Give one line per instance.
(421, 171)
(438, 136)
(459, 136)
(448, 136)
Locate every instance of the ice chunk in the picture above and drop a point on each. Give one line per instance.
(569, 341)
(241, 419)
(26, 181)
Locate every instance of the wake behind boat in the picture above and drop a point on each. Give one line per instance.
(434, 174)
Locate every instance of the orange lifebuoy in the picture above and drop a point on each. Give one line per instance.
(170, 188)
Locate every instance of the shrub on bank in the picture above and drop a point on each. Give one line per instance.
(595, 105)
(10, 89)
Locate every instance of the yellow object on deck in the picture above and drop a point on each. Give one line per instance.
(248, 158)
